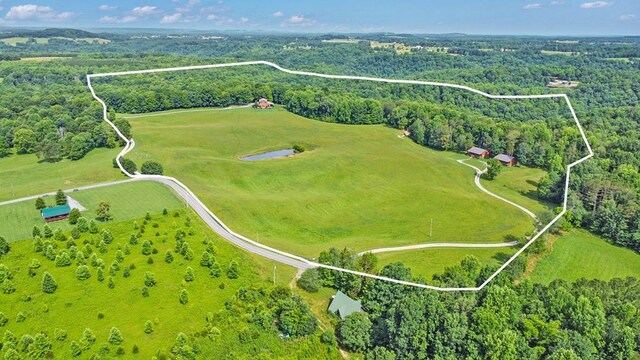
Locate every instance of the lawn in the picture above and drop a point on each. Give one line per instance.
(23, 175)
(128, 201)
(519, 184)
(357, 186)
(427, 262)
(77, 305)
(579, 254)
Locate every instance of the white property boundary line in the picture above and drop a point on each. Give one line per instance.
(130, 144)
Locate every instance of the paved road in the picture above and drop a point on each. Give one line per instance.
(222, 231)
(477, 180)
(33, 197)
(439, 245)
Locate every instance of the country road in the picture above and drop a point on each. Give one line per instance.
(479, 185)
(222, 231)
(438, 245)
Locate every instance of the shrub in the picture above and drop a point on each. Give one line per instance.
(59, 334)
(207, 259)
(297, 148)
(165, 212)
(63, 259)
(111, 283)
(74, 215)
(46, 231)
(149, 260)
(133, 239)
(3, 319)
(75, 233)
(151, 168)
(40, 204)
(128, 165)
(4, 246)
(145, 292)
(20, 317)
(49, 284)
(168, 257)
(215, 269)
(36, 232)
(126, 273)
(148, 327)
(119, 256)
(310, 280)
(59, 235)
(189, 275)
(233, 271)
(149, 279)
(75, 350)
(8, 287)
(100, 316)
(135, 349)
(115, 336)
(100, 274)
(83, 224)
(88, 338)
(83, 272)
(146, 248)
(184, 296)
(93, 228)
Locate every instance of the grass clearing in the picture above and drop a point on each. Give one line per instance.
(128, 201)
(579, 254)
(519, 184)
(23, 175)
(356, 186)
(427, 262)
(77, 305)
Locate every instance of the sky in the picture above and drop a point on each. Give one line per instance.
(503, 17)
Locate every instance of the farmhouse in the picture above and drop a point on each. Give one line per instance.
(506, 160)
(56, 213)
(477, 152)
(264, 104)
(343, 306)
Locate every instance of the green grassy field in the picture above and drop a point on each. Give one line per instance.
(22, 175)
(356, 186)
(128, 201)
(76, 304)
(427, 262)
(579, 254)
(519, 184)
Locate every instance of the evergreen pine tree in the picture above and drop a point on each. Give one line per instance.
(115, 336)
(168, 257)
(36, 232)
(148, 327)
(189, 275)
(184, 296)
(49, 284)
(47, 232)
(4, 246)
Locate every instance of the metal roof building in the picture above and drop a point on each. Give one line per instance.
(343, 306)
(56, 213)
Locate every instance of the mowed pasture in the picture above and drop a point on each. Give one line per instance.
(23, 175)
(579, 254)
(363, 187)
(520, 184)
(128, 201)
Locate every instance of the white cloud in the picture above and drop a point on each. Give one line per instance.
(298, 20)
(113, 19)
(556, 3)
(144, 10)
(171, 19)
(628, 17)
(278, 14)
(107, 7)
(244, 20)
(37, 12)
(595, 4)
(532, 6)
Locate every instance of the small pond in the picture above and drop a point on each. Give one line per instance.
(268, 155)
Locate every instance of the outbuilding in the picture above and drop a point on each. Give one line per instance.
(343, 306)
(55, 213)
(477, 152)
(506, 160)
(264, 104)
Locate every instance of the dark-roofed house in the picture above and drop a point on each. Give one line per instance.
(477, 152)
(343, 306)
(56, 213)
(506, 160)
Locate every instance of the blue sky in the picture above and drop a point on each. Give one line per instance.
(543, 17)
